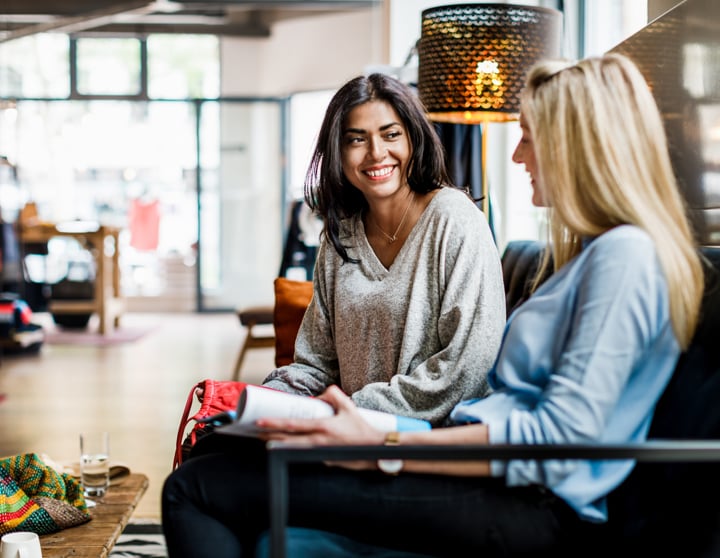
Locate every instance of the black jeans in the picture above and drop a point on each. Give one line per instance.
(216, 505)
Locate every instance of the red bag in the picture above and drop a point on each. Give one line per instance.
(215, 396)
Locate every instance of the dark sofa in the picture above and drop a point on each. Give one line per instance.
(662, 507)
(670, 504)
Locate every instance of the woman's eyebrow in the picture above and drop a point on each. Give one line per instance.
(361, 131)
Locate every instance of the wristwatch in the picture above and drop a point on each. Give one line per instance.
(391, 466)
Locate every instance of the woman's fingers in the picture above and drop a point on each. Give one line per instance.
(337, 398)
(347, 426)
(290, 425)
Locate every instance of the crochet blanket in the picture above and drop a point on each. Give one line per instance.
(35, 497)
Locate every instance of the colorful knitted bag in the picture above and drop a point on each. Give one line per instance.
(35, 497)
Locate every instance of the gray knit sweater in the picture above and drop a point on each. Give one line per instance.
(414, 339)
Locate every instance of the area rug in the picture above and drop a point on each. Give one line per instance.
(93, 338)
(140, 539)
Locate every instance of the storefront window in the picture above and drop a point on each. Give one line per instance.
(183, 66)
(108, 66)
(35, 66)
(124, 162)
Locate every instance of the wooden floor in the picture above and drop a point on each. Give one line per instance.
(136, 391)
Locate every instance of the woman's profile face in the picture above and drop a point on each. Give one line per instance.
(524, 154)
(375, 150)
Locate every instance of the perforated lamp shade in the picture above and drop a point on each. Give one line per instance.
(473, 58)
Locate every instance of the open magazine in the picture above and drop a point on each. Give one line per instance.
(260, 402)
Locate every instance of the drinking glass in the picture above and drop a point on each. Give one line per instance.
(95, 463)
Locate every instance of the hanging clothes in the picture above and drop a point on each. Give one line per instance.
(463, 144)
(144, 224)
(301, 242)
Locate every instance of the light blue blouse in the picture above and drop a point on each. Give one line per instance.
(584, 360)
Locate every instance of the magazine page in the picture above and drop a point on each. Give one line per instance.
(258, 402)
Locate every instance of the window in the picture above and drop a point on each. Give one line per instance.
(183, 66)
(106, 152)
(609, 22)
(307, 110)
(108, 66)
(36, 66)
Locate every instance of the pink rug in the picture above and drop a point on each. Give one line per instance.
(93, 338)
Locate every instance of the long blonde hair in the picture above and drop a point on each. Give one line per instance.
(603, 161)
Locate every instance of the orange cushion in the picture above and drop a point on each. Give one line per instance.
(291, 301)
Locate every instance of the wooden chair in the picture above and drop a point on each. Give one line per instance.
(249, 318)
(291, 300)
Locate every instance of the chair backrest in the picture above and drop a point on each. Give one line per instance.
(291, 300)
(520, 261)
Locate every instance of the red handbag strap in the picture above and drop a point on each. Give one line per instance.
(218, 395)
(205, 409)
(185, 419)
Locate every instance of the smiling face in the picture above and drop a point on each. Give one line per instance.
(524, 154)
(375, 150)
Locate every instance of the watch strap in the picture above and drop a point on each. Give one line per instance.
(391, 466)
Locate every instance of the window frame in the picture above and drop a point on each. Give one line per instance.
(75, 94)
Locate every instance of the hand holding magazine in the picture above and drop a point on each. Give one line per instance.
(258, 402)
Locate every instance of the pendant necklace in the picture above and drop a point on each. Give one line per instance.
(393, 238)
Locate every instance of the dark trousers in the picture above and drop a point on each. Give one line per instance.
(216, 505)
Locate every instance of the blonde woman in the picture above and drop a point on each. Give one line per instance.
(584, 360)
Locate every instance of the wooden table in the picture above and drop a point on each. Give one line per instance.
(107, 302)
(109, 517)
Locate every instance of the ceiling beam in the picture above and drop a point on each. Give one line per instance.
(74, 24)
(64, 8)
(79, 7)
(21, 18)
(251, 30)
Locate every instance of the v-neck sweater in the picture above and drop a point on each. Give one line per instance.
(413, 339)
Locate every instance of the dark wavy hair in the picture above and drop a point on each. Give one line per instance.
(328, 191)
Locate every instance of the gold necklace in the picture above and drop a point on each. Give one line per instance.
(393, 238)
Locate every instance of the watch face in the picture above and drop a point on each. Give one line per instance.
(390, 466)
